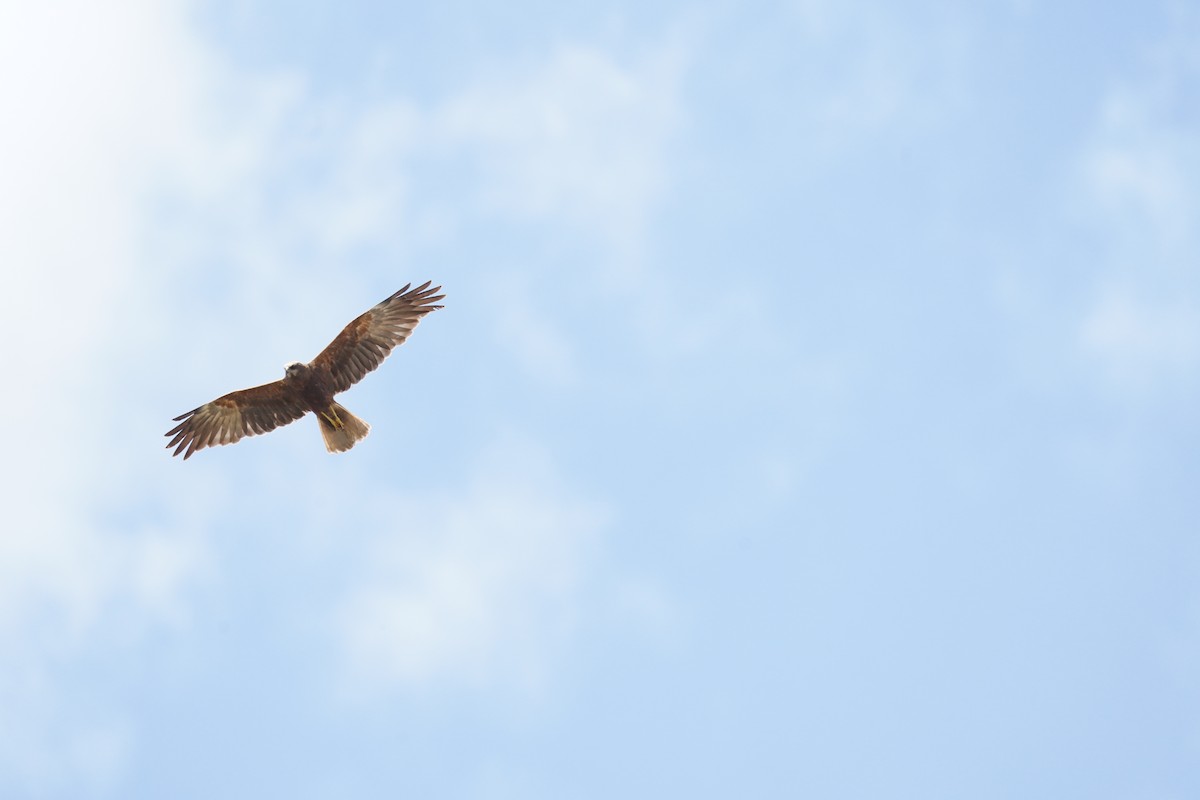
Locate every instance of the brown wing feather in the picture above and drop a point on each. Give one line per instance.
(366, 342)
(230, 417)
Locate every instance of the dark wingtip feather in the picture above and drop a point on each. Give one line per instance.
(394, 295)
(422, 292)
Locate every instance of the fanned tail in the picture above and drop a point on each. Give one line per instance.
(341, 429)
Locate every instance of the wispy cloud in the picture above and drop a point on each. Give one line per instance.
(580, 139)
(141, 169)
(864, 70)
(475, 587)
(1139, 164)
(96, 102)
(538, 344)
(1140, 342)
(575, 143)
(1139, 173)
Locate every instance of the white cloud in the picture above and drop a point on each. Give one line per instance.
(536, 342)
(1139, 174)
(1140, 341)
(479, 585)
(108, 112)
(582, 139)
(70, 588)
(1139, 166)
(642, 603)
(864, 70)
(475, 587)
(577, 138)
(97, 102)
(578, 141)
(64, 749)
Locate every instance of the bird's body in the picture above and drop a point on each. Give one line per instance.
(340, 429)
(359, 348)
(310, 384)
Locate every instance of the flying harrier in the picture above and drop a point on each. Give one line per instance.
(359, 348)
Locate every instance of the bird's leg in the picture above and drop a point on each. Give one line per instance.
(333, 419)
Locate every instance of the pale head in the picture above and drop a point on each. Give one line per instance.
(295, 369)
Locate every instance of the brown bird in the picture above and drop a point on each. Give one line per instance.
(359, 348)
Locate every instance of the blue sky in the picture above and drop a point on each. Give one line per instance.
(812, 413)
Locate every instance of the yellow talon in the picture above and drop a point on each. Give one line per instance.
(333, 419)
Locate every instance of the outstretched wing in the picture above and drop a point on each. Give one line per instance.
(230, 417)
(366, 342)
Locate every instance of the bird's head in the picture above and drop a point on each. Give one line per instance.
(294, 369)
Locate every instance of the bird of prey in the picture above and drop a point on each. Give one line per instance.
(359, 348)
